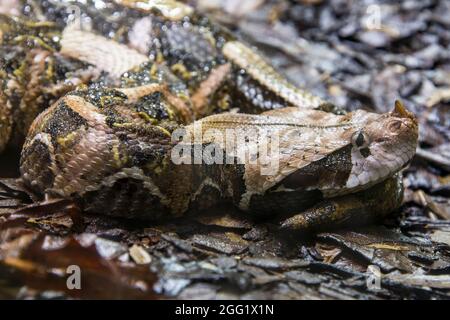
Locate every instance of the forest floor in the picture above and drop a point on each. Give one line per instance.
(357, 54)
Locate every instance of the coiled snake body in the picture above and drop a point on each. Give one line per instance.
(125, 141)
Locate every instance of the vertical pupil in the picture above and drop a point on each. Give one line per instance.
(359, 139)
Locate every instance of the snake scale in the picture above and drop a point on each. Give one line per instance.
(146, 109)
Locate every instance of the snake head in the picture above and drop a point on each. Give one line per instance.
(384, 146)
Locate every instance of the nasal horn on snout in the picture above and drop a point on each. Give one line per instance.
(401, 111)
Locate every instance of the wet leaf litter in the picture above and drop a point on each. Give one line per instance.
(354, 54)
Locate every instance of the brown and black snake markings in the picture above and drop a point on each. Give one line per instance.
(115, 93)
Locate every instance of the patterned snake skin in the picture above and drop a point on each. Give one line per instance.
(162, 112)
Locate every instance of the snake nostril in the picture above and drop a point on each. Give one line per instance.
(380, 140)
(395, 126)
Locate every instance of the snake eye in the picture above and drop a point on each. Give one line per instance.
(360, 139)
